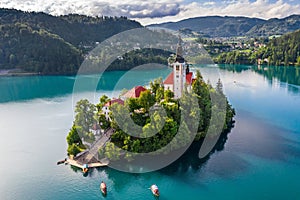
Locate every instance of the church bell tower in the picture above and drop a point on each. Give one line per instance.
(179, 71)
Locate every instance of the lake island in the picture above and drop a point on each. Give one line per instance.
(179, 107)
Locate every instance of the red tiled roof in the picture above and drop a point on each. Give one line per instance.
(189, 77)
(134, 92)
(111, 102)
(170, 78)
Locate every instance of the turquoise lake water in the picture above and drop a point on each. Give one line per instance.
(258, 159)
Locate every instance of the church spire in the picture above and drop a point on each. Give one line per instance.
(179, 51)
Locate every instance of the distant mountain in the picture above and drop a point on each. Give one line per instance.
(38, 42)
(216, 26)
(276, 26)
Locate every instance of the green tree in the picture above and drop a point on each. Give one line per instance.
(73, 137)
(136, 146)
(112, 152)
(133, 104)
(298, 61)
(168, 95)
(201, 89)
(155, 85)
(85, 118)
(146, 100)
(104, 123)
(159, 94)
(73, 149)
(103, 100)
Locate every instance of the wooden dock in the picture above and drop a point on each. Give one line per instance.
(80, 165)
(90, 156)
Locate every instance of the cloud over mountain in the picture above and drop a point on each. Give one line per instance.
(151, 11)
(132, 9)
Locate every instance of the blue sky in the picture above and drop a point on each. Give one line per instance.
(157, 11)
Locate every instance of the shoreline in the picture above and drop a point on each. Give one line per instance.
(4, 72)
(13, 72)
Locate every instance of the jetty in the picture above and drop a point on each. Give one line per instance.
(77, 164)
(90, 156)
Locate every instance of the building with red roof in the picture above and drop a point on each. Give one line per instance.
(134, 92)
(106, 106)
(111, 102)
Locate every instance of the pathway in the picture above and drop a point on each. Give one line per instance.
(90, 156)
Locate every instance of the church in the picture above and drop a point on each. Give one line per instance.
(181, 76)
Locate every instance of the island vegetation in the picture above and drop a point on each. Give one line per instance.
(143, 113)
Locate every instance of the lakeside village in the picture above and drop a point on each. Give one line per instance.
(95, 127)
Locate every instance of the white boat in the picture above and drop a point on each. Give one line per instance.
(85, 168)
(103, 188)
(154, 190)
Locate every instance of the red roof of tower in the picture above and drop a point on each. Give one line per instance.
(189, 78)
(170, 78)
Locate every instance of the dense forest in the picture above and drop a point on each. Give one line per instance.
(149, 121)
(139, 57)
(275, 26)
(284, 50)
(38, 42)
(36, 50)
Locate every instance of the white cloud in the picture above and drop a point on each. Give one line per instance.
(260, 8)
(133, 9)
(209, 3)
(157, 11)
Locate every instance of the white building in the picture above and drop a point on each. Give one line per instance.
(105, 108)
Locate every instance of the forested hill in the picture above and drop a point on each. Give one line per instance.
(284, 50)
(276, 26)
(38, 42)
(216, 26)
